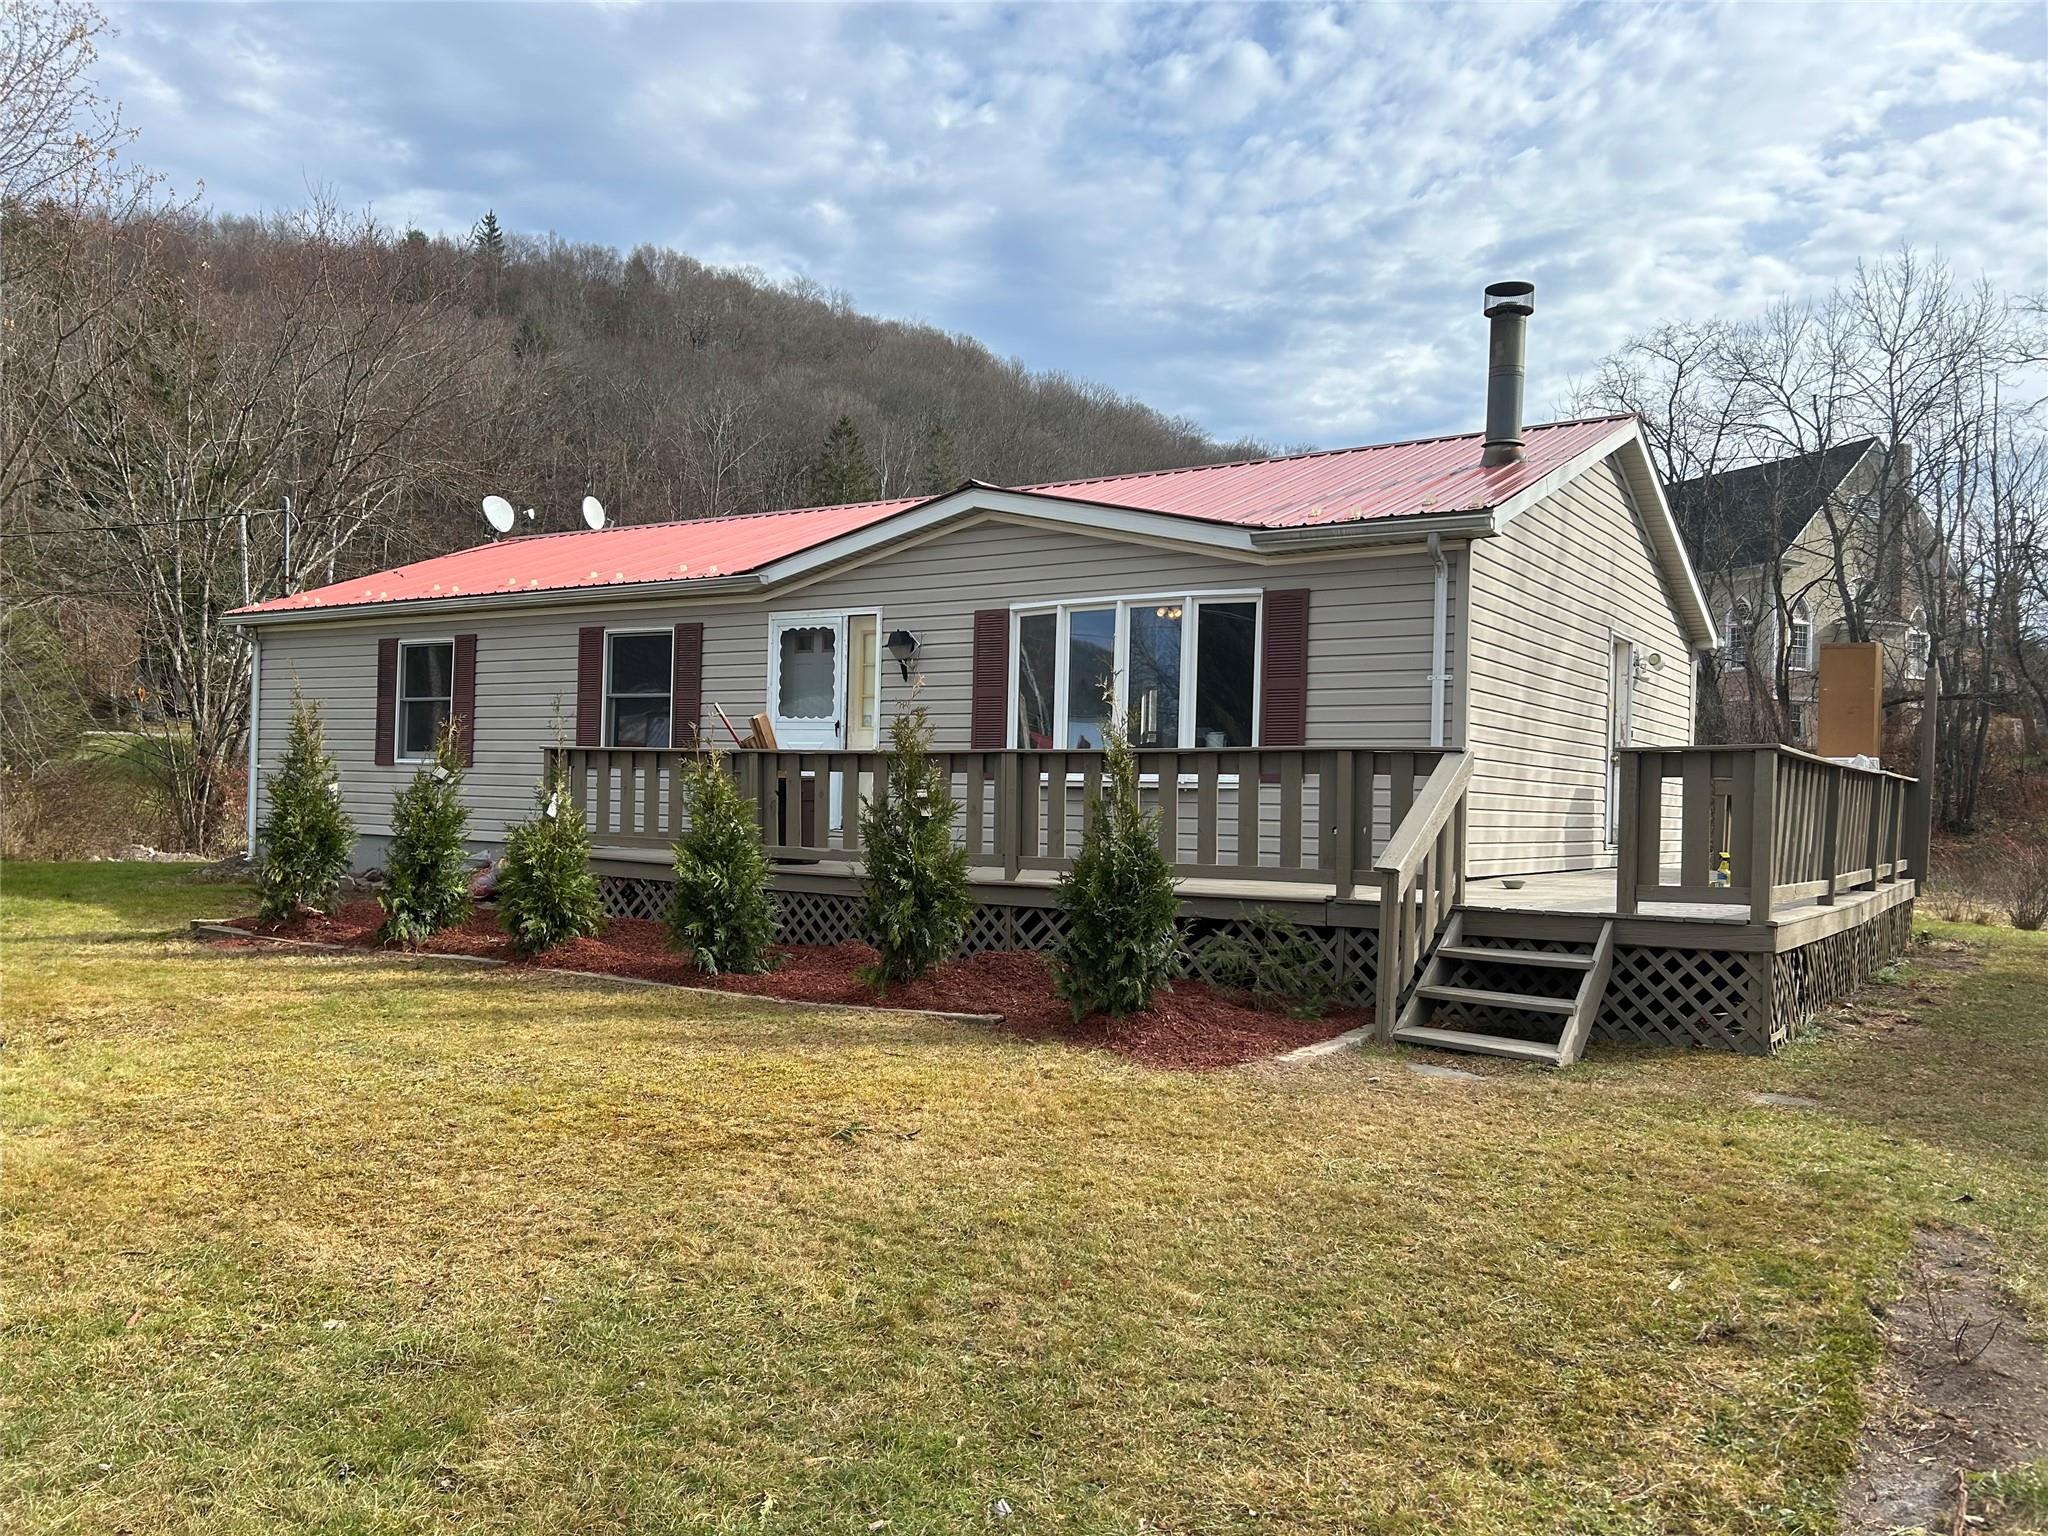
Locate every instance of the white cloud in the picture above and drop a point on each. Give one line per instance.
(1274, 219)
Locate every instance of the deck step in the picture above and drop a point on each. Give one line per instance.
(1484, 1045)
(1478, 998)
(1485, 956)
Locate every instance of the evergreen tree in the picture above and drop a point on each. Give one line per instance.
(845, 473)
(941, 463)
(426, 881)
(918, 900)
(1118, 898)
(488, 239)
(306, 838)
(546, 892)
(721, 915)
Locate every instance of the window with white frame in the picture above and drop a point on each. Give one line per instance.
(1182, 669)
(426, 695)
(1918, 645)
(638, 674)
(1735, 635)
(1799, 650)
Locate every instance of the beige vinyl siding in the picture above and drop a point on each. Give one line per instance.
(1369, 649)
(1549, 597)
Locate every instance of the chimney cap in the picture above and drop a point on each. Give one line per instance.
(1510, 298)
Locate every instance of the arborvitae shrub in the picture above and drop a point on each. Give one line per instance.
(306, 839)
(546, 892)
(1118, 898)
(1277, 960)
(426, 880)
(919, 902)
(721, 915)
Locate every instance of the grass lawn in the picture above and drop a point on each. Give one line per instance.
(341, 1244)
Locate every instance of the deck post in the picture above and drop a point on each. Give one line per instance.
(1628, 805)
(1344, 846)
(1831, 835)
(1763, 832)
(1008, 815)
(1919, 838)
(1387, 984)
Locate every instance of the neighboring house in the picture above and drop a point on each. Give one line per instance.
(1776, 541)
(1359, 680)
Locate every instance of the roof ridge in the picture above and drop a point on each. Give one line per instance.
(1320, 453)
(1864, 443)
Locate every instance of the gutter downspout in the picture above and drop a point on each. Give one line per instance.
(1441, 615)
(255, 703)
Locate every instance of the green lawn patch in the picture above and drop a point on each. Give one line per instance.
(343, 1244)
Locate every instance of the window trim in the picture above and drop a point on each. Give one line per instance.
(1735, 645)
(1915, 670)
(604, 695)
(1191, 601)
(1801, 615)
(398, 696)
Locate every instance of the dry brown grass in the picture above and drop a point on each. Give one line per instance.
(343, 1244)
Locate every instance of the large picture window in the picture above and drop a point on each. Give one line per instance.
(1182, 670)
(426, 695)
(639, 673)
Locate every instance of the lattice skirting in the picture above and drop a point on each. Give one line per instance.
(1752, 1003)
(1349, 956)
(1808, 979)
(1684, 997)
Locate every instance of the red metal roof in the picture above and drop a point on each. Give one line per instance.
(1432, 475)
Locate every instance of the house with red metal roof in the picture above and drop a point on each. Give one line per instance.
(1436, 652)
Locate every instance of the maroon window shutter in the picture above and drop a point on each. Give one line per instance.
(989, 729)
(1283, 669)
(387, 703)
(590, 686)
(463, 706)
(686, 706)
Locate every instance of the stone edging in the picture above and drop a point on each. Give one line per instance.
(211, 928)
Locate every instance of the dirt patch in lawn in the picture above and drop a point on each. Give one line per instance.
(1192, 1027)
(1963, 1390)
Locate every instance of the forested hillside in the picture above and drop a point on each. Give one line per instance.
(171, 381)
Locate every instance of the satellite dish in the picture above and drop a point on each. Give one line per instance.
(593, 513)
(498, 513)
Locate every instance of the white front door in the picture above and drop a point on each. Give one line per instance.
(1621, 709)
(807, 680)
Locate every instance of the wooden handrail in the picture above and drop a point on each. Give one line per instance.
(1434, 805)
(1422, 879)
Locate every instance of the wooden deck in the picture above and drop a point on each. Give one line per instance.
(1751, 885)
(1581, 896)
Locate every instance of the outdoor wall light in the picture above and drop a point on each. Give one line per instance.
(903, 646)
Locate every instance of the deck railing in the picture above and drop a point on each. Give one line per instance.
(1757, 826)
(1422, 880)
(1314, 815)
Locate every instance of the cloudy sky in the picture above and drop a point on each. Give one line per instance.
(1276, 220)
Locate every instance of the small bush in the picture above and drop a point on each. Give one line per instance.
(1277, 961)
(2027, 901)
(306, 838)
(721, 915)
(546, 892)
(1118, 899)
(426, 882)
(919, 902)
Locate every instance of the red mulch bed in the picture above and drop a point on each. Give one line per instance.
(1193, 1027)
